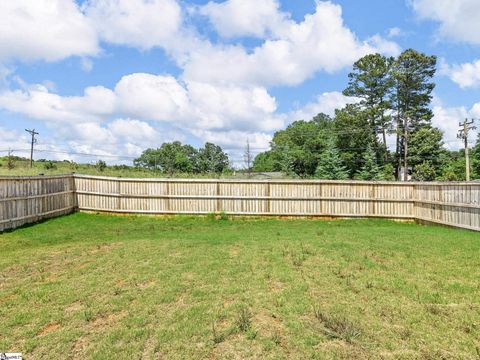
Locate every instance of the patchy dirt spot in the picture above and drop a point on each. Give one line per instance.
(234, 251)
(275, 286)
(146, 284)
(103, 321)
(76, 306)
(48, 329)
(150, 350)
(79, 348)
(268, 324)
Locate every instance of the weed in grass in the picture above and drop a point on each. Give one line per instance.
(88, 315)
(244, 319)
(433, 309)
(117, 291)
(337, 327)
(217, 337)
(251, 334)
(276, 338)
(211, 216)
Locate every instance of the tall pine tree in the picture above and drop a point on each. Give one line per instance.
(330, 165)
(370, 169)
(412, 73)
(371, 81)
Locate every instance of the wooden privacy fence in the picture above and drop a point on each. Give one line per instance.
(25, 200)
(455, 204)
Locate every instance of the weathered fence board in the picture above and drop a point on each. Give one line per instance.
(24, 200)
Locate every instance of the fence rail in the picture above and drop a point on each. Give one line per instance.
(454, 204)
(25, 200)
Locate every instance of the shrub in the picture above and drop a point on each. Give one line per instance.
(49, 165)
(101, 165)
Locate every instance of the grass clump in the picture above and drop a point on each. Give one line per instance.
(337, 326)
(244, 319)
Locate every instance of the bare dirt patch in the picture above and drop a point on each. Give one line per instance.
(48, 329)
(107, 320)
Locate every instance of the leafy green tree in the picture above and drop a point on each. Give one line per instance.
(370, 169)
(413, 76)
(330, 166)
(101, 165)
(212, 159)
(297, 148)
(353, 136)
(148, 159)
(170, 158)
(426, 149)
(371, 81)
(266, 162)
(476, 159)
(425, 171)
(388, 172)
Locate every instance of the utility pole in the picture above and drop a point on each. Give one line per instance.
(465, 127)
(405, 154)
(33, 133)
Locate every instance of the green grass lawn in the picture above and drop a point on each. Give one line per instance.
(105, 287)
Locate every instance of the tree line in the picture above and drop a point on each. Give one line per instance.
(394, 97)
(176, 157)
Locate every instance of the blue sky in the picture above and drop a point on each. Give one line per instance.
(113, 77)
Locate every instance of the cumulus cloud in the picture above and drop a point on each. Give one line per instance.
(47, 30)
(458, 18)
(221, 94)
(192, 107)
(154, 97)
(325, 103)
(465, 75)
(138, 23)
(447, 119)
(236, 18)
(37, 102)
(297, 52)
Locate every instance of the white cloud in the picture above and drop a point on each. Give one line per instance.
(47, 30)
(321, 42)
(235, 18)
(134, 131)
(326, 103)
(86, 64)
(458, 18)
(465, 75)
(447, 119)
(191, 107)
(394, 32)
(233, 107)
(38, 103)
(384, 46)
(138, 23)
(153, 97)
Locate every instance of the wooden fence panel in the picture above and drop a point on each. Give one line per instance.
(28, 199)
(25, 200)
(454, 204)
